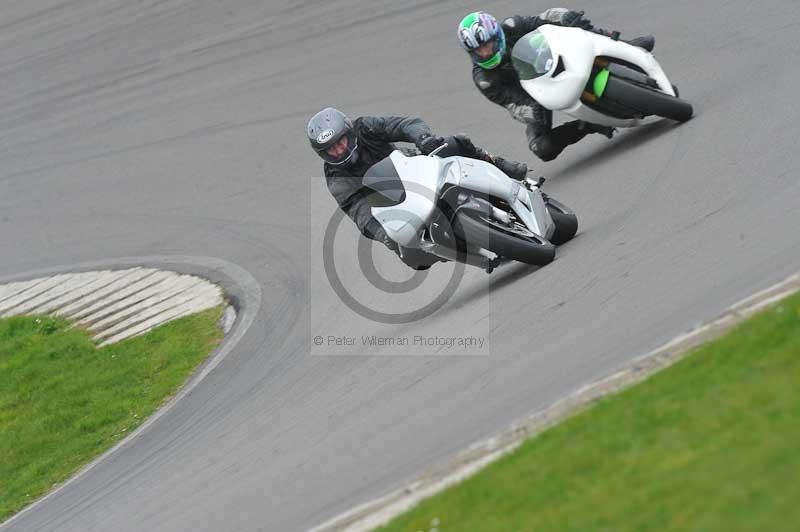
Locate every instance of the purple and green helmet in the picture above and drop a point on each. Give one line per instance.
(479, 28)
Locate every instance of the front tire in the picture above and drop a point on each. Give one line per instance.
(515, 243)
(647, 100)
(565, 220)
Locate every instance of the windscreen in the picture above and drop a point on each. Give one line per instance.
(532, 56)
(382, 184)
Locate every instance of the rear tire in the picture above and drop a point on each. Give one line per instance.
(530, 249)
(646, 100)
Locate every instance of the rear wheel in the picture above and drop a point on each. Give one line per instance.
(647, 100)
(512, 242)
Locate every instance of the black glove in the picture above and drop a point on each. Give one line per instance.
(465, 147)
(575, 19)
(512, 169)
(429, 143)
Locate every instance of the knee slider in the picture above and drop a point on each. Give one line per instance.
(544, 148)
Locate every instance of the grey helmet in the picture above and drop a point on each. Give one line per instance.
(325, 129)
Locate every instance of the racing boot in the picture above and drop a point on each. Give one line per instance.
(512, 169)
(606, 131)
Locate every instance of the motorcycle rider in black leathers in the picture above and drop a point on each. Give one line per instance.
(350, 148)
(489, 45)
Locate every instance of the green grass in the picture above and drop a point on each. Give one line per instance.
(710, 444)
(63, 402)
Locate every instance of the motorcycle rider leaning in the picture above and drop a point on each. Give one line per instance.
(489, 44)
(350, 147)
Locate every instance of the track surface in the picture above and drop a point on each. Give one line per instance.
(176, 127)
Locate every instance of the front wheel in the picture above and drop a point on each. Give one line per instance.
(565, 221)
(647, 100)
(512, 242)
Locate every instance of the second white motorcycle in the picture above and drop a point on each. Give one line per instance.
(595, 78)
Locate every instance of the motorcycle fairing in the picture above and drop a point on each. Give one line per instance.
(423, 179)
(422, 182)
(481, 176)
(576, 50)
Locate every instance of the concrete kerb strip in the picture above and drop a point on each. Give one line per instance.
(243, 293)
(132, 314)
(380, 511)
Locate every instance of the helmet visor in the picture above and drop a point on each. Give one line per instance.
(489, 54)
(485, 51)
(341, 150)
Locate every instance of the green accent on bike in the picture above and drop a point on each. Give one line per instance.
(492, 61)
(600, 82)
(469, 20)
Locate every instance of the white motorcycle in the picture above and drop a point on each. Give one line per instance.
(595, 78)
(466, 210)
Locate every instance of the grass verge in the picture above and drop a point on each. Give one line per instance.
(63, 402)
(709, 444)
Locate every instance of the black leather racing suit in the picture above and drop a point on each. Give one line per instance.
(375, 137)
(501, 86)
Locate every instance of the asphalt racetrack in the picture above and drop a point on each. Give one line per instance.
(176, 128)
